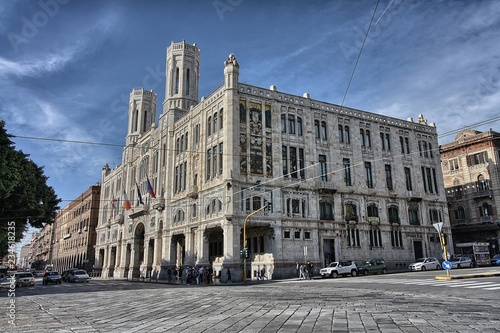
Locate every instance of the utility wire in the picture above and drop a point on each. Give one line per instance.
(359, 55)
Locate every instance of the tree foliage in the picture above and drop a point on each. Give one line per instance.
(25, 198)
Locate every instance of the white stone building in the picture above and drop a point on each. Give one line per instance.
(337, 183)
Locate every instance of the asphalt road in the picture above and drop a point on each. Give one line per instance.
(407, 302)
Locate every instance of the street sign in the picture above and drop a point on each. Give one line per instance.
(446, 265)
(438, 226)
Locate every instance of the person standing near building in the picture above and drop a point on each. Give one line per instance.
(310, 270)
(228, 272)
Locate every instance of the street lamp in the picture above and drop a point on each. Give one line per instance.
(245, 242)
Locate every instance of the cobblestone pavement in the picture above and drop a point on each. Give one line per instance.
(329, 305)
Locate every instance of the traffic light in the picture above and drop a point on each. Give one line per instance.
(242, 252)
(443, 239)
(247, 253)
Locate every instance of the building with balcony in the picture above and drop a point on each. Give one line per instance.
(471, 172)
(329, 182)
(74, 237)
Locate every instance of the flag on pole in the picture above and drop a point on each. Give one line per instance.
(139, 194)
(150, 190)
(126, 202)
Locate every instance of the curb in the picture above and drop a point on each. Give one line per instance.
(470, 276)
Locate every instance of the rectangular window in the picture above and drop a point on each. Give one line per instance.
(347, 136)
(316, 129)
(209, 162)
(184, 176)
(176, 179)
(396, 238)
(402, 144)
(297, 234)
(323, 170)
(286, 234)
(291, 124)
(382, 141)
(434, 178)
(353, 237)
(181, 177)
(323, 131)
(341, 133)
(283, 123)
(362, 137)
(368, 174)
(307, 235)
(284, 159)
(214, 161)
(293, 162)
(407, 144)
(325, 211)
(299, 126)
(347, 171)
(409, 186)
(429, 180)
(388, 177)
(423, 178)
(413, 217)
(302, 171)
(220, 158)
(375, 238)
(388, 141)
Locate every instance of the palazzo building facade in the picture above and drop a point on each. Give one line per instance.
(472, 181)
(303, 180)
(74, 232)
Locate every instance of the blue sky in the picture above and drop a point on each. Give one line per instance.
(68, 66)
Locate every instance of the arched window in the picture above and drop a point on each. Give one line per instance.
(393, 215)
(209, 126)
(350, 212)
(215, 123)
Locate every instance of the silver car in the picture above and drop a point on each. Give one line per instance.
(423, 264)
(78, 276)
(24, 279)
(462, 262)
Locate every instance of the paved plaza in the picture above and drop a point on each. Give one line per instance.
(411, 302)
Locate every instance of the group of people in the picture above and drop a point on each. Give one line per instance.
(190, 274)
(305, 271)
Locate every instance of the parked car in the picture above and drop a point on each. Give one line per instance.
(372, 266)
(337, 268)
(51, 277)
(65, 274)
(24, 279)
(495, 261)
(461, 262)
(423, 264)
(78, 276)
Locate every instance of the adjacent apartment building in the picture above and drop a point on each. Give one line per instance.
(74, 239)
(299, 179)
(472, 178)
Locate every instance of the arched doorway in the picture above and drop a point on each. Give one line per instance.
(138, 250)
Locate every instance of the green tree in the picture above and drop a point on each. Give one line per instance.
(25, 198)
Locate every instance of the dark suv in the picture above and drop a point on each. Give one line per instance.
(372, 266)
